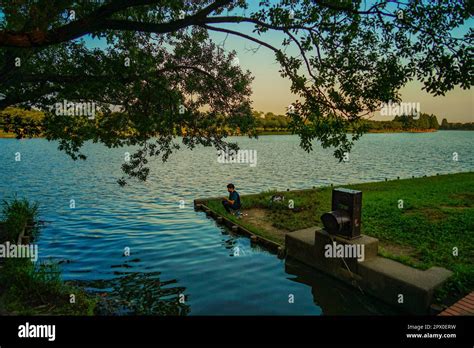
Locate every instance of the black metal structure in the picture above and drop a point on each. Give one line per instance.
(345, 218)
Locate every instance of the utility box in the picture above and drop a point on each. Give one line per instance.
(345, 218)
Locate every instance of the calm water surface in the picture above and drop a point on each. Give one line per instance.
(178, 251)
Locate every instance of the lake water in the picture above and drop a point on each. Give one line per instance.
(176, 251)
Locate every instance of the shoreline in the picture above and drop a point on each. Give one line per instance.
(13, 136)
(270, 227)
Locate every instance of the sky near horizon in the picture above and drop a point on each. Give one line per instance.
(271, 92)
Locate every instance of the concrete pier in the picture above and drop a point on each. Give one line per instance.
(237, 228)
(399, 285)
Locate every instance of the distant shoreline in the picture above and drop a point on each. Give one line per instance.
(264, 133)
(376, 131)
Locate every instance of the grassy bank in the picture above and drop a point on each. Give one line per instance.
(6, 135)
(437, 219)
(388, 131)
(28, 288)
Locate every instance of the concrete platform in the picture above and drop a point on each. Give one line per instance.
(309, 247)
(403, 286)
(408, 288)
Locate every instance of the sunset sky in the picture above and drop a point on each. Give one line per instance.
(271, 92)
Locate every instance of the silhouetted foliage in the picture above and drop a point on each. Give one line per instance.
(351, 58)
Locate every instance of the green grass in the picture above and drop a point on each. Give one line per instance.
(37, 289)
(28, 288)
(218, 208)
(437, 216)
(18, 213)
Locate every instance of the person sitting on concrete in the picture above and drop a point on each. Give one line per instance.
(233, 202)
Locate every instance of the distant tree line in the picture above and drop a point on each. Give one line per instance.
(13, 117)
(270, 122)
(445, 125)
(20, 122)
(404, 123)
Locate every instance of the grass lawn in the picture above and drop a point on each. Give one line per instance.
(437, 219)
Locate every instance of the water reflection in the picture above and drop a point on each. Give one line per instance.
(238, 246)
(138, 294)
(333, 296)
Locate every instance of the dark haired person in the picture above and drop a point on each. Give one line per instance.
(233, 202)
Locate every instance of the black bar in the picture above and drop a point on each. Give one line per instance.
(388, 330)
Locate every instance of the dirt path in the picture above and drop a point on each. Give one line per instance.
(258, 218)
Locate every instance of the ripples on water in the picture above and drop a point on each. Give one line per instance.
(179, 251)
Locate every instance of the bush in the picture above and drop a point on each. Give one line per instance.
(38, 289)
(17, 214)
(27, 288)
